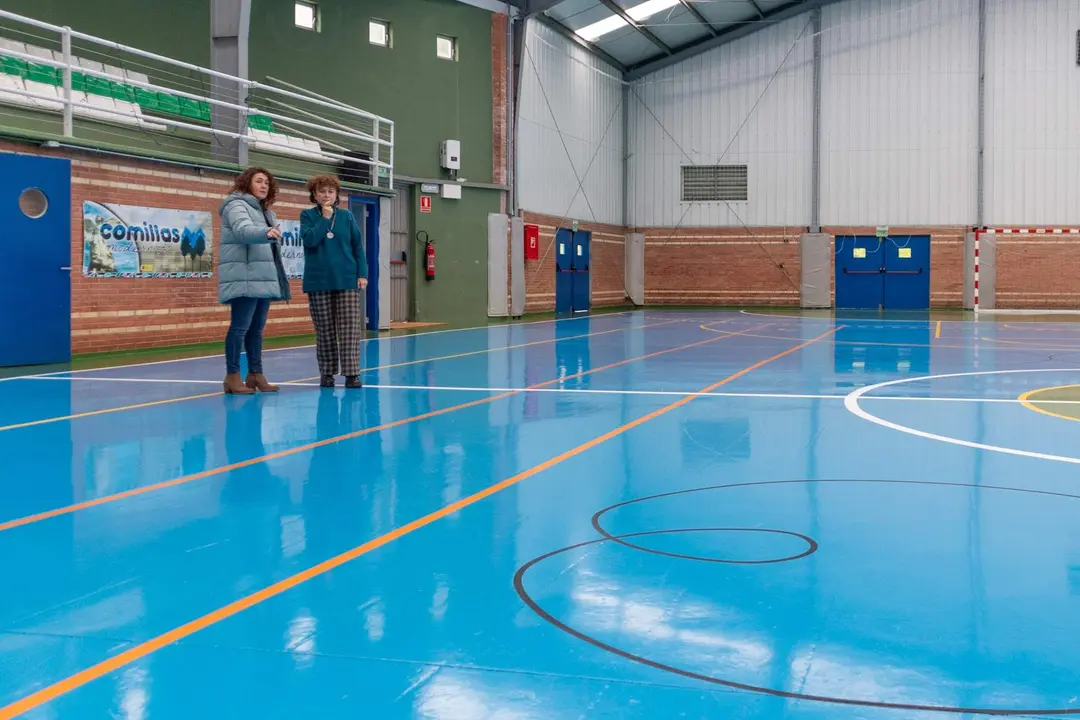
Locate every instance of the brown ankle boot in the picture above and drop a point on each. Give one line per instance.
(235, 386)
(257, 381)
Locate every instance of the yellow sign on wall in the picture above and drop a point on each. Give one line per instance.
(860, 252)
(905, 253)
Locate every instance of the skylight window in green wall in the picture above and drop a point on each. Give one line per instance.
(446, 47)
(379, 33)
(305, 15)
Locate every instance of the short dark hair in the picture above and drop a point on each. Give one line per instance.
(322, 181)
(243, 184)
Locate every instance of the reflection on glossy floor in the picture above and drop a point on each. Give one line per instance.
(641, 515)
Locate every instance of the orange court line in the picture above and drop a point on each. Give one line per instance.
(105, 411)
(496, 349)
(861, 343)
(167, 401)
(68, 509)
(140, 651)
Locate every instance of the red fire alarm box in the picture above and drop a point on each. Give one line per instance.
(532, 242)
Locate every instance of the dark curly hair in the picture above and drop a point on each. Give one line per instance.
(243, 184)
(320, 181)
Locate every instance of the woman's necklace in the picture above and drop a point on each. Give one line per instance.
(333, 216)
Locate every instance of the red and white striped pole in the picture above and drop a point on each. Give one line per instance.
(978, 233)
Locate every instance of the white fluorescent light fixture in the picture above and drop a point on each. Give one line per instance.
(610, 24)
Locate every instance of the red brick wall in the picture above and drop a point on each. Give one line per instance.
(110, 314)
(499, 112)
(607, 264)
(1038, 271)
(722, 266)
(762, 266)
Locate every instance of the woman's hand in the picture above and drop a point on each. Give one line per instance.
(273, 234)
(327, 210)
(362, 283)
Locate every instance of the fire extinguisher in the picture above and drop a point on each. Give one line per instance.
(429, 255)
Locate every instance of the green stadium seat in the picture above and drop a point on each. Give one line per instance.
(43, 74)
(121, 91)
(147, 99)
(260, 122)
(98, 86)
(189, 109)
(13, 66)
(168, 104)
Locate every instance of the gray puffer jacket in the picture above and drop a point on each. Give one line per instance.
(249, 264)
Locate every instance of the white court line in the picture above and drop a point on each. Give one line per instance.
(303, 347)
(598, 391)
(880, 321)
(851, 403)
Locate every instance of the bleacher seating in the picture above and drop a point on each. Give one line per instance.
(121, 103)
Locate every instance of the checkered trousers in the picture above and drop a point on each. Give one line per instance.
(336, 316)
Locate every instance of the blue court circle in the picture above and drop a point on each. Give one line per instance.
(624, 540)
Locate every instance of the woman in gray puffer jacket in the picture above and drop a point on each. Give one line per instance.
(251, 275)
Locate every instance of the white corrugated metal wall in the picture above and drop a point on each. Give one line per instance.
(690, 113)
(568, 96)
(899, 119)
(1032, 113)
(899, 112)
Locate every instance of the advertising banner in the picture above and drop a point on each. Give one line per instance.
(292, 249)
(139, 242)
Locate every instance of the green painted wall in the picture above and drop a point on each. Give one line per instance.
(458, 294)
(428, 99)
(179, 29)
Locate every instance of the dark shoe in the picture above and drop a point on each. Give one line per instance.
(235, 386)
(257, 381)
(326, 381)
(353, 382)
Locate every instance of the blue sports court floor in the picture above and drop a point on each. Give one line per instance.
(644, 515)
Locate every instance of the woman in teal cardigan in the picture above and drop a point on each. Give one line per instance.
(335, 270)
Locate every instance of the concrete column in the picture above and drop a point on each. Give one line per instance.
(517, 267)
(815, 250)
(634, 272)
(229, 25)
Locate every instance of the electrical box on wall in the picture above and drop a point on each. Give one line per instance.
(451, 154)
(451, 191)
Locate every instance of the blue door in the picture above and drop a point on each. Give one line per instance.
(366, 211)
(35, 275)
(859, 263)
(582, 279)
(564, 271)
(891, 273)
(907, 272)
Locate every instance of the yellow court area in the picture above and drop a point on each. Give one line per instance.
(1062, 401)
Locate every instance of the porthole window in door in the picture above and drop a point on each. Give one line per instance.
(33, 203)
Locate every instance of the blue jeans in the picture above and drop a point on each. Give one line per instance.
(246, 333)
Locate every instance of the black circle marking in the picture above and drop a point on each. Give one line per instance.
(519, 587)
(811, 544)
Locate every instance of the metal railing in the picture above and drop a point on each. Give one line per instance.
(306, 127)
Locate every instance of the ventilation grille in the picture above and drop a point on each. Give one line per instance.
(714, 183)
